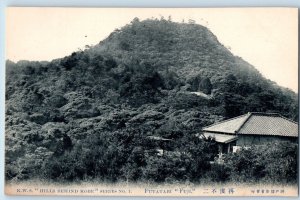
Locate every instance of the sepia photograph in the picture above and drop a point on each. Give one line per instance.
(151, 101)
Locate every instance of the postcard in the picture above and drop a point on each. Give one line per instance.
(151, 101)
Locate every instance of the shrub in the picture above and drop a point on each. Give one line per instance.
(276, 162)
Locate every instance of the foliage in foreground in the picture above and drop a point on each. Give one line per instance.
(272, 163)
(120, 156)
(130, 157)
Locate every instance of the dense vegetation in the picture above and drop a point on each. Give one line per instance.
(89, 115)
(269, 163)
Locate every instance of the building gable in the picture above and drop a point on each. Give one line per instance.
(229, 126)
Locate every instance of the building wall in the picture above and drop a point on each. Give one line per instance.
(248, 140)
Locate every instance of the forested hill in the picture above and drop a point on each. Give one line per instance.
(138, 81)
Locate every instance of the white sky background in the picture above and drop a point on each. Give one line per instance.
(265, 37)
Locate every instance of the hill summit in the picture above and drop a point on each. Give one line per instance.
(151, 77)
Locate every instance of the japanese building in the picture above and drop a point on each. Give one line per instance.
(251, 129)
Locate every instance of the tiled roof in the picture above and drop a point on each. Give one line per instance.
(256, 124)
(227, 126)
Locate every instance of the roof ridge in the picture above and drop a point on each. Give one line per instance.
(223, 121)
(274, 113)
(218, 132)
(244, 122)
(266, 113)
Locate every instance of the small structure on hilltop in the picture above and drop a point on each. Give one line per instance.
(252, 128)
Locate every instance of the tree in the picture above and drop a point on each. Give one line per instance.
(230, 84)
(205, 85)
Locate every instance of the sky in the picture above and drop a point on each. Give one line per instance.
(267, 38)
